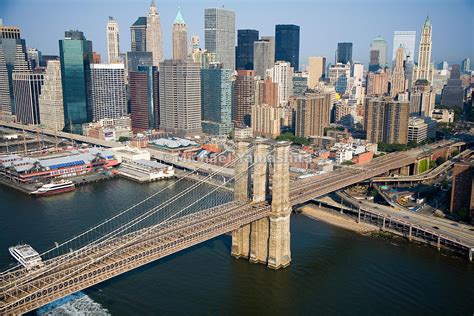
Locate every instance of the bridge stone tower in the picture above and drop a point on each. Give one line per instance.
(267, 240)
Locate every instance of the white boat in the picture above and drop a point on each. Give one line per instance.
(26, 256)
(55, 188)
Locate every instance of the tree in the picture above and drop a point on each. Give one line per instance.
(440, 160)
(123, 139)
(287, 136)
(347, 163)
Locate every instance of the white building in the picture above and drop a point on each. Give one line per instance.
(154, 42)
(420, 129)
(443, 115)
(113, 41)
(109, 96)
(339, 75)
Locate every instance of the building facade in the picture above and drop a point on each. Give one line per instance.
(344, 53)
(287, 44)
(407, 40)
(316, 69)
(377, 83)
(180, 37)
(154, 41)
(144, 98)
(138, 35)
(216, 100)
(421, 129)
(180, 97)
(26, 90)
(266, 120)
(51, 106)
(76, 55)
(424, 68)
(386, 120)
(422, 99)
(263, 55)
(312, 114)
(378, 45)
(244, 50)
(282, 74)
(398, 74)
(244, 97)
(113, 41)
(219, 35)
(109, 95)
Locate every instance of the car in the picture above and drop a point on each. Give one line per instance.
(435, 227)
(455, 224)
(407, 217)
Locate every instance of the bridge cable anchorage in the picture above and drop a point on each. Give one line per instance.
(133, 240)
(124, 227)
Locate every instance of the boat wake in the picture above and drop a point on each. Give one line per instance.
(74, 304)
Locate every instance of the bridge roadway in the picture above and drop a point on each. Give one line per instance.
(70, 273)
(67, 274)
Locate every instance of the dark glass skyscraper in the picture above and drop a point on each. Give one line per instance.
(76, 55)
(138, 35)
(287, 44)
(244, 49)
(344, 53)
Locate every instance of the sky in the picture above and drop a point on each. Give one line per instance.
(323, 23)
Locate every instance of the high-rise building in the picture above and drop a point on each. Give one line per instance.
(154, 42)
(378, 48)
(377, 83)
(462, 190)
(453, 91)
(421, 129)
(339, 75)
(422, 99)
(287, 44)
(26, 90)
(267, 92)
(51, 106)
(466, 65)
(203, 57)
(113, 41)
(75, 52)
(244, 50)
(317, 70)
(263, 55)
(386, 120)
(180, 97)
(443, 65)
(13, 57)
(95, 58)
(219, 35)
(138, 35)
(407, 40)
(282, 73)
(144, 98)
(216, 99)
(424, 68)
(180, 37)
(109, 95)
(266, 120)
(344, 53)
(312, 114)
(398, 74)
(244, 97)
(34, 57)
(358, 71)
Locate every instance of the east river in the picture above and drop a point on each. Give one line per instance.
(333, 271)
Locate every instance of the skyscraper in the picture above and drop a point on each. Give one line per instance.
(287, 44)
(51, 98)
(422, 99)
(138, 35)
(453, 91)
(13, 57)
(398, 74)
(405, 39)
(154, 42)
(282, 73)
(76, 54)
(267, 92)
(34, 57)
(317, 70)
(180, 97)
(144, 98)
(424, 68)
(339, 75)
(344, 53)
(109, 96)
(377, 83)
(135, 59)
(378, 49)
(113, 41)
(216, 99)
(26, 90)
(386, 120)
(244, 50)
(244, 97)
(300, 83)
(263, 55)
(180, 37)
(219, 35)
(312, 114)
(193, 43)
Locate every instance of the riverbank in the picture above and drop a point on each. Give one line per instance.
(336, 219)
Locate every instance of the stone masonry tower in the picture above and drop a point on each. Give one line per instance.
(267, 240)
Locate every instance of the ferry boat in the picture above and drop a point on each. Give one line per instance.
(55, 188)
(26, 256)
